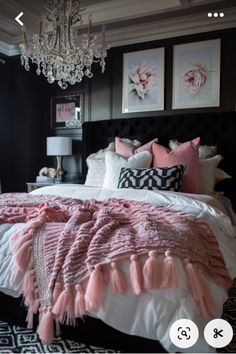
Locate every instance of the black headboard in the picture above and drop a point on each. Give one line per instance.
(213, 128)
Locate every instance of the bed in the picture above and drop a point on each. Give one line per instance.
(214, 129)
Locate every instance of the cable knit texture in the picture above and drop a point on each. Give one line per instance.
(70, 249)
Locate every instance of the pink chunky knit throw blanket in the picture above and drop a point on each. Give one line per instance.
(69, 250)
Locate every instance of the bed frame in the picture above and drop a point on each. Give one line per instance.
(214, 129)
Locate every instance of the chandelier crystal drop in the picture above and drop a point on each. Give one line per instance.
(59, 52)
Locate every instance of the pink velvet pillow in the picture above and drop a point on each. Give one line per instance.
(127, 150)
(147, 146)
(186, 154)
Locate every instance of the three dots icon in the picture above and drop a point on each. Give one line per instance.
(216, 14)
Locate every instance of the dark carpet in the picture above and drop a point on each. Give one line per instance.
(14, 339)
(229, 314)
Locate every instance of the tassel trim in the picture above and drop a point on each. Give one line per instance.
(46, 325)
(69, 303)
(118, 282)
(169, 274)
(136, 276)
(200, 290)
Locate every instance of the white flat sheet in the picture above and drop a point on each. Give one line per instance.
(151, 314)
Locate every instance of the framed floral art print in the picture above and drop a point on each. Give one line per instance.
(67, 111)
(143, 81)
(196, 75)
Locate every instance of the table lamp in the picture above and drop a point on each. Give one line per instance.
(59, 146)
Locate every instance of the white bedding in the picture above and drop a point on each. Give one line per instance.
(151, 314)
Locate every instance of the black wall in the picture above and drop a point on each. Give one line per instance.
(22, 129)
(25, 105)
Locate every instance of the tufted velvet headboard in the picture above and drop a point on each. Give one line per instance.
(213, 128)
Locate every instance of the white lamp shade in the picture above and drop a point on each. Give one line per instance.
(59, 146)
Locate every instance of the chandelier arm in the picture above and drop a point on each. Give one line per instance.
(49, 11)
(89, 30)
(59, 41)
(40, 28)
(40, 33)
(25, 40)
(69, 29)
(56, 38)
(76, 10)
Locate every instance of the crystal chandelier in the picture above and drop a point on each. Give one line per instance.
(59, 52)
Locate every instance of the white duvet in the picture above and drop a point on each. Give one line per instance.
(151, 314)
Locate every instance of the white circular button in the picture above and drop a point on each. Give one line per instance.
(183, 333)
(218, 333)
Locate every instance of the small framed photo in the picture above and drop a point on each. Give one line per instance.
(143, 81)
(196, 75)
(67, 111)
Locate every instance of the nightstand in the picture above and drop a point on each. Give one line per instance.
(35, 185)
(31, 186)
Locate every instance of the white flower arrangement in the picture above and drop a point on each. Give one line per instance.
(52, 172)
(48, 172)
(43, 171)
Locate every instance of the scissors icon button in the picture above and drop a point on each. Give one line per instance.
(217, 333)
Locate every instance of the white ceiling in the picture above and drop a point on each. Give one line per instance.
(127, 21)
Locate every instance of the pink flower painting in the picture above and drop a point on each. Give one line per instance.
(196, 74)
(141, 79)
(194, 79)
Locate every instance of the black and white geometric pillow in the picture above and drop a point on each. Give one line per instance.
(158, 178)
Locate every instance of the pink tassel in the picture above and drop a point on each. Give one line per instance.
(117, 279)
(30, 318)
(105, 274)
(56, 292)
(60, 305)
(45, 329)
(151, 271)
(94, 291)
(136, 275)
(35, 306)
(28, 285)
(80, 307)
(70, 308)
(169, 275)
(64, 306)
(23, 254)
(200, 290)
(58, 328)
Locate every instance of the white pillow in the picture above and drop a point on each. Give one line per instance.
(115, 162)
(101, 153)
(207, 172)
(205, 151)
(221, 175)
(96, 172)
(96, 164)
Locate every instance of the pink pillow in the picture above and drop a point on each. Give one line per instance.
(127, 150)
(124, 148)
(185, 154)
(147, 146)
